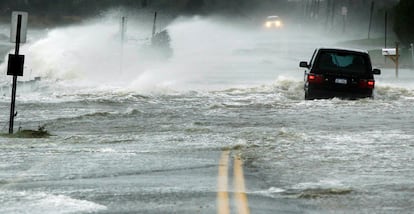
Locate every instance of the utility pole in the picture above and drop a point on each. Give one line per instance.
(123, 32)
(370, 19)
(412, 55)
(154, 27)
(332, 13)
(327, 13)
(313, 9)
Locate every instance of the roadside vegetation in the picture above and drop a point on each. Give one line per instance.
(49, 12)
(404, 21)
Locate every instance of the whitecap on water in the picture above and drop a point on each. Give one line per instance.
(40, 202)
(323, 188)
(271, 192)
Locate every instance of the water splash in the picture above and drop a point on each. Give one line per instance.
(208, 52)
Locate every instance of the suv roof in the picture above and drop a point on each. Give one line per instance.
(273, 17)
(344, 49)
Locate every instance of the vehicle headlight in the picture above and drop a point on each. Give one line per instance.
(268, 24)
(278, 24)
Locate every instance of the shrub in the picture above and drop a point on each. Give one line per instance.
(404, 21)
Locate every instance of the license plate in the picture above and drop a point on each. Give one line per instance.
(341, 81)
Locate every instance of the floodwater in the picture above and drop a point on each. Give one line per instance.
(132, 133)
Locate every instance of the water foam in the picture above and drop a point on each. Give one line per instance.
(40, 202)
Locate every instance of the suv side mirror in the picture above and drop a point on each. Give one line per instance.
(376, 71)
(303, 64)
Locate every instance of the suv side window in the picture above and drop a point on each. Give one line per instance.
(313, 57)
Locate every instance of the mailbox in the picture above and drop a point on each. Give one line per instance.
(389, 51)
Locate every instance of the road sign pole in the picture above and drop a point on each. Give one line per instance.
(14, 86)
(12, 106)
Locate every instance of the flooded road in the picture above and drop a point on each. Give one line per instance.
(149, 140)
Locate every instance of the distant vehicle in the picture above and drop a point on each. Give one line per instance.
(273, 22)
(342, 73)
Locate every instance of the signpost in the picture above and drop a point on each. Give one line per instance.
(394, 55)
(15, 64)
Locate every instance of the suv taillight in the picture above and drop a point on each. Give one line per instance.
(367, 83)
(314, 78)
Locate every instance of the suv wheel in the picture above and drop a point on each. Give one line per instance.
(308, 96)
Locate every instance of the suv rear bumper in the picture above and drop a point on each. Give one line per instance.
(316, 93)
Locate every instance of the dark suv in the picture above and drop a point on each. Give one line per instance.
(340, 73)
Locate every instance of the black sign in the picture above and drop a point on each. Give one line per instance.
(15, 65)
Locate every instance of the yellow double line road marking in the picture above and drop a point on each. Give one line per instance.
(240, 197)
(239, 187)
(223, 205)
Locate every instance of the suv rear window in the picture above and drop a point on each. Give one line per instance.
(343, 62)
